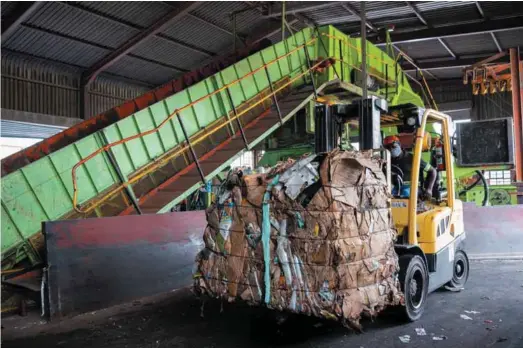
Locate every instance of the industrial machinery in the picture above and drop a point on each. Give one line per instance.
(152, 153)
(430, 233)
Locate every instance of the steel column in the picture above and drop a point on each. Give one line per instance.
(274, 99)
(309, 67)
(363, 51)
(237, 118)
(516, 109)
(193, 153)
(128, 190)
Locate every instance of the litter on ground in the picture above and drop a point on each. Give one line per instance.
(405, 338)
(421, 331)
(465, 317)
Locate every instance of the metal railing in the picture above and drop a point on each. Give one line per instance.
(163, 159)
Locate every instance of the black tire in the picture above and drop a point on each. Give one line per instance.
(414, 280)
(460, 273)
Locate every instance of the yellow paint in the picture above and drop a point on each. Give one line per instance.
(316, 230)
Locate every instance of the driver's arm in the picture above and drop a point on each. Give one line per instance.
(430, 178)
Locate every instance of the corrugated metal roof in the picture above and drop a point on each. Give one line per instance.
(62, 18)
(450, 73)
(77, 37)
(493, 9)
(478, 43)
(509, 39)
(151, 73)
(190, 29)
(423, 49)
(217, 12)
(42, 44)
(142, 13)
(445, 15)
(169, 53)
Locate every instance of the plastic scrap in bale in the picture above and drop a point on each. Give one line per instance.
(313, 236)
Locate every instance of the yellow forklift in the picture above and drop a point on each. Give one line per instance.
(430, 243)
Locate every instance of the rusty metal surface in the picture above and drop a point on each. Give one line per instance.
(87, 127)
(494, 231)
(97, 263)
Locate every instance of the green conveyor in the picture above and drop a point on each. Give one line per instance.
(159, 167)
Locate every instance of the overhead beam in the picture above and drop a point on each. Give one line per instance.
(93, 44)
(449, 63)
(352, 10)
(273, 30)
(480, 9)
(495, 39)
(134, 42)
(135, 27)
(19, 15)
(303, 9)
(417, 13)
(457, 30)
(446, 47)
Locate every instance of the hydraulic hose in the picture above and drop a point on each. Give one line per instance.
(481, 178)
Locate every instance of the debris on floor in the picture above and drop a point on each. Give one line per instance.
(466, 317)
(420, 331)
(471, 312)
(488, 321)
(405, 338)
(439, 338)
(313, 236)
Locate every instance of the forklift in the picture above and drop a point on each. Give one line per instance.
(430, 242)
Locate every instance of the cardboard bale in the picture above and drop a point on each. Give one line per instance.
(313, 236)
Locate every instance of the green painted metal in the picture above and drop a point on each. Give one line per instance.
(43, 190)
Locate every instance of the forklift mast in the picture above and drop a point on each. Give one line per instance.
(331, 118)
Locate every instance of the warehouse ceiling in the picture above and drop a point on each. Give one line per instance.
(150, 43)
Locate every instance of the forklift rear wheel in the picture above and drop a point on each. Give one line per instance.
(460, 273)
(414, 280)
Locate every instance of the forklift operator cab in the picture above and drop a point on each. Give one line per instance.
(401, 167)
(430, 232)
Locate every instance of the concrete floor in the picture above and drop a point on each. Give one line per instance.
(495, 290)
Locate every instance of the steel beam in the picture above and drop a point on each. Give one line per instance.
(480, 10)
(303, 9)
(516, 110)
(94, 44)
(446, 47)
(133, 26)
(349, 8)
(273, 30)
(19, 15)
(448, 62)
(417, 13)
(126, 48)
(495, 39)
(457, 30)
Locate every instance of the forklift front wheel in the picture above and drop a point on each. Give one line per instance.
(414, 280)
(460, 273)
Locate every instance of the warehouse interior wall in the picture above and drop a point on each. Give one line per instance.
(42, 87)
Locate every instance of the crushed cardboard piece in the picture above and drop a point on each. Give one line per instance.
(313, 236)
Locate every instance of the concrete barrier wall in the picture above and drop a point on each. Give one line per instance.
(494, 232)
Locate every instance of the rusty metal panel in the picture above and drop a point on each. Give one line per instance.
(97, 263)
